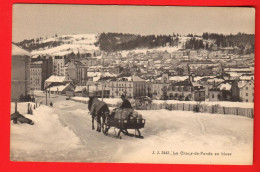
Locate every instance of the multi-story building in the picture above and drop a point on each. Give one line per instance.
(77, 72)
(246, 91)
(182, 90)
(160, 86)
(131, 87)
(39, 72)
(20, 73)
(36, 75)
(59, 65)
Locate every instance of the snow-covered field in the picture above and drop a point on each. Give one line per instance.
(63, 133)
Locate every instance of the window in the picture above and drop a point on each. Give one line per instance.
(246, 100)
(213, 96)
(246, 88)
(246, 94)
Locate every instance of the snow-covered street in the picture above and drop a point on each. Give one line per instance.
(63, 133)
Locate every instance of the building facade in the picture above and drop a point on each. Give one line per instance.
(246, 91)
(20, 79)
(39, 72)
(59, 65)
(131, 87)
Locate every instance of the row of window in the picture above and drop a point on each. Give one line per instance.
(247, 94)
(121, 89)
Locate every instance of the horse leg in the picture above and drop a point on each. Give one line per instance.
(98, 124)
(103, 122)
(93, 118)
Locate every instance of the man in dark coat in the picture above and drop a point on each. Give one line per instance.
(126, 103)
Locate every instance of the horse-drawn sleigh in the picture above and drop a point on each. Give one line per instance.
(121, 119)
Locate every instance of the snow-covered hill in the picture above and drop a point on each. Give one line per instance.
(81, 43)
(84, 43)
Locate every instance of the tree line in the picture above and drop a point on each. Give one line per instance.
(112, 42)
(245, 42)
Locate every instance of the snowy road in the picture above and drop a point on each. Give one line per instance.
(180, 137)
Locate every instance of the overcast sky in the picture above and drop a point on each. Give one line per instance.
(38, 20)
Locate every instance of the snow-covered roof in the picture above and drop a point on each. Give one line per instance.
(58, 88)
(17, 51)
(93, 88)
(55, 78)
(234, 74)
(80, 88)
(178, 78)
(225, 86)
(96, 78)
(131, 78)
(137, 78)
(217, 80)
(94, 74)
(241, 84)
(246, 77)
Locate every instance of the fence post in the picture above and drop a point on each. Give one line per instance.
(28, 108)
(224, 110)
(15, 107)
(183, 106)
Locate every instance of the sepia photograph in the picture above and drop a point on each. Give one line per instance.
(132, 84)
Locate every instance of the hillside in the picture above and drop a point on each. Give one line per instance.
(61, 45)
(119, 42)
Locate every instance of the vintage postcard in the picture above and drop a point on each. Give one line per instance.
(132, 84)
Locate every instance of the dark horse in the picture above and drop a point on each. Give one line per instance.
(98, 109)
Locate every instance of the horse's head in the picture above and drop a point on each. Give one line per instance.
(90, 102)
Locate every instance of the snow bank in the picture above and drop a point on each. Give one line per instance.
(46, 135)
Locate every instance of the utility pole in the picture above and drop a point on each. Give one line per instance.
(46, 96)
(102, 92)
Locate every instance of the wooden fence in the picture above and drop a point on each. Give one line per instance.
(202, 108)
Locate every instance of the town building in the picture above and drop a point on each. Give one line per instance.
(59, 65)
(182, 90)
(77, 72)
(61, 89)
(246, 91)
(20, 75)
(39, 72)
(131, 87)
(160, 86)
(56, 80)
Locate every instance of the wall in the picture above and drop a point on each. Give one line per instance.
(20, 79)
